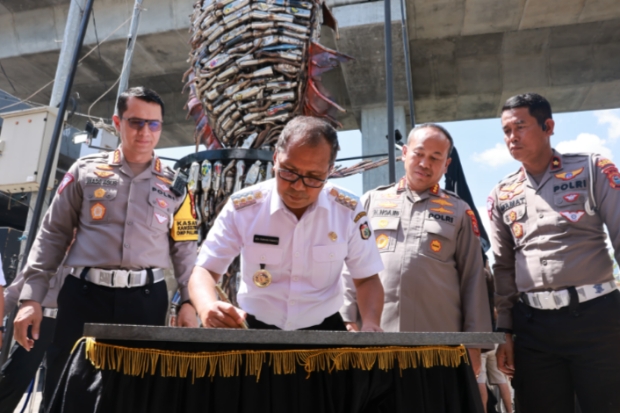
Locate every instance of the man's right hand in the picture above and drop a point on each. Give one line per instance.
(29, 314)
(222, 315)
(505, 357)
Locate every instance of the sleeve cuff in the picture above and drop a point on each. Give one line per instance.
(504, 322)
(32, 292)
(367, 271)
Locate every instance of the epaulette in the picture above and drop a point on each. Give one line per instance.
(94, 156)
(244, 199)
(451, 193)
(510, 175)
(582, 154)
(344, 198)
(383, 187)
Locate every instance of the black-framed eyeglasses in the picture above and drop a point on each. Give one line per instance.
(137, 124)
(293, 177)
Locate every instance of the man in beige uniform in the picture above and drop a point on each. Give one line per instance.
(428, 239)
(553, 273)
(129, 225)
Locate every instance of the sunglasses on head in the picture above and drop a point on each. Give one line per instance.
(137, 124)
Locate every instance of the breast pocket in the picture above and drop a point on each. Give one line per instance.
(570, 207)
(385, 229)
(160, 212)
(439, 240)
(327, 263)
(99, 203)
(269, 256)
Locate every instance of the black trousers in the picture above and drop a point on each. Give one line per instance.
(567, 352)
(81, 302)
(21, 367)
(332, 323)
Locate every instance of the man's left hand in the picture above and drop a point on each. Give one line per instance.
(476, 360)
(187, 316)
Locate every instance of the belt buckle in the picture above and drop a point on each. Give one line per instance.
(105, 278)
(121, 278)
(547, 300)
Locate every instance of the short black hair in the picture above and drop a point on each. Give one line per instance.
(313, 130)
(537, 105)
(438, 128)
(139, 92)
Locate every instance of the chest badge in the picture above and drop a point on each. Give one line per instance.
(97, 211)
(442, 210)
(517, 230)
(104, 167)
(99, 193)
(571, 197)
(262, 278)
(103, 174)
(333, 236)
(164, 180)
(573, 216)
(442, 202)
(365, 231)
(512, 216)
(162, 203)
(388, 205)
(382, 241)
(161, 218)
(435, 245)
(567, 176)
(383, 223)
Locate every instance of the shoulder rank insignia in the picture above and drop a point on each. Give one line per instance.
(246, 199)
(104, 174)
(164, 179)
(116, 158)
(157, 166)
(556, 163)
(402, 185)
(434, 189)
(567, 176)
(105, 167)
(344, 198)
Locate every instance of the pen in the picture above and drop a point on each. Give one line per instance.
(224, 297)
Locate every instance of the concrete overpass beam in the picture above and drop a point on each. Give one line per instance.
(374, 130)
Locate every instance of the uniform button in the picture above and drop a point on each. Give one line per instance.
(295, 278)
(544, 262)
(126, 245)
(297, 254)
(331, 255)
(262, 257)
(540, 216)
(129, 222)
(293, 302)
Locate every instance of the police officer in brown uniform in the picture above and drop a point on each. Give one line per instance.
(553, 273)
(129, 226)
(428, 239)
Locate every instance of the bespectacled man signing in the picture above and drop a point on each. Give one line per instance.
(294, 234)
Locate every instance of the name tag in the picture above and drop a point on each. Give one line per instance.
(265, 239)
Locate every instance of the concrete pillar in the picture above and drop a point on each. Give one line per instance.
(374, 130)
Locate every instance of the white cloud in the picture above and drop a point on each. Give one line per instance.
(585, 142)
(611, 117)
(495, 156)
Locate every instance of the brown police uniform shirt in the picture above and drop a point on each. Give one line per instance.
(123, 222)
(543, 236)
(434, 275)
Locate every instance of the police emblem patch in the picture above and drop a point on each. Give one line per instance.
(567, 176)
(570, 197)
(161, 218)
(99, 193)
(517, 230)
(435, 245)
(474, 222)
(382, 241)
(573, 216)
(164, 180)
(66, 180)
(365, 230)
(101, 174)
(490, 204)
(614, 180)
(97, 211)
(162, 203)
